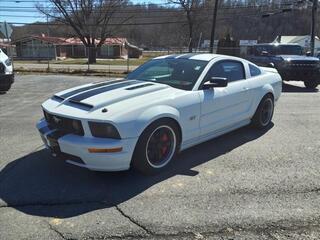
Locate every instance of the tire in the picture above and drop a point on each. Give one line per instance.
(156, 147)
(311, 84)
(264, 113)
(4, 88)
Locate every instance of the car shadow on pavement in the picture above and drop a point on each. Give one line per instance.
(38, 184)
(293, 88)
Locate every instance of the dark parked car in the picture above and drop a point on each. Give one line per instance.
(289, 60)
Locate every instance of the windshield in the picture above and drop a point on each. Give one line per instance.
(178, 73)
(280, 49)
(288, 50)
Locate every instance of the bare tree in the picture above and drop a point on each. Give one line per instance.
(90, 19)
(190, 7)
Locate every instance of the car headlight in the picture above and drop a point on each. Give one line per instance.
(104, 130)
(8, 62)
(47, 116)
(285, 63)
(77, 127)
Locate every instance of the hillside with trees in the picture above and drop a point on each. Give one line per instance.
(155, 26)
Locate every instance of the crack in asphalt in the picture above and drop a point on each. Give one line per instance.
(55, 230)
(225, 232)
(131, 219)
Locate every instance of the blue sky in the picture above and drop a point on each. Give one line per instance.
(24, 11)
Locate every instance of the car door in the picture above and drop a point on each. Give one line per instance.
(261, 55)
(223, 107)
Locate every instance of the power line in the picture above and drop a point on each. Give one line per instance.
(151, 11)
(175, 15)
(33, 9)
(24, 1)
(223, 17)
(114, 17)
(19, 16)
(48, 2)
(94, 25)
(119, 11)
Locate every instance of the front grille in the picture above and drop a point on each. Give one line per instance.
(73, 158)
(66, 125)
(308, 62)
(2, 68)
(304, 64)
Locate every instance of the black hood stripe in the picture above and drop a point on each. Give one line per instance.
(97, 91)
(83, 89)
(139, 86)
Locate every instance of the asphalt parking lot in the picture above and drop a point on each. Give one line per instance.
(247, 184)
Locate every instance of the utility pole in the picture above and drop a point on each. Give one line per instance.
(313, 25)
(198, 46)
(48, 49)
(6, 30)
(213, 27)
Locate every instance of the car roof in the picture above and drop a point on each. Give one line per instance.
(197, 56)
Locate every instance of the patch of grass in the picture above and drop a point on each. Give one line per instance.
(24, 71)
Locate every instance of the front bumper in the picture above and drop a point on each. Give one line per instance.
(297, 74)
(75, 149)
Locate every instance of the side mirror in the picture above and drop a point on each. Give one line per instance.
(215, 82)
(264, 53)
(308, 53)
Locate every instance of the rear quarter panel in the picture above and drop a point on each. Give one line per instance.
(268, 82)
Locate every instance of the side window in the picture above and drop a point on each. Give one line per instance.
(231, 70)
(254, 71)
(258, 50)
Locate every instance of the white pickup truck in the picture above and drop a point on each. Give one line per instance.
(6, 73)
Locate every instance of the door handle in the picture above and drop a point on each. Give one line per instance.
(245, 88)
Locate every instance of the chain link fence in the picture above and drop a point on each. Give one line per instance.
(113, 60)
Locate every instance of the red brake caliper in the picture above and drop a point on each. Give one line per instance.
(164, 139)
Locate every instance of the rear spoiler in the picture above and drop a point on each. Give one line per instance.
(269, 69)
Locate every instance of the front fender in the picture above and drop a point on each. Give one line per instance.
(152, 114)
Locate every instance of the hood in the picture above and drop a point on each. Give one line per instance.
(297, 58)
(95, 96)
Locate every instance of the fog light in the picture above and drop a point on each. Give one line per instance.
(104, 150)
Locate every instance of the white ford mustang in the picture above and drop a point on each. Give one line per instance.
(166, 105)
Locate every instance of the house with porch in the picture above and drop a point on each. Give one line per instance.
(43, 47)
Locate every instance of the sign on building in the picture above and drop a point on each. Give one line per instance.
(206, 43)
(248, 42)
